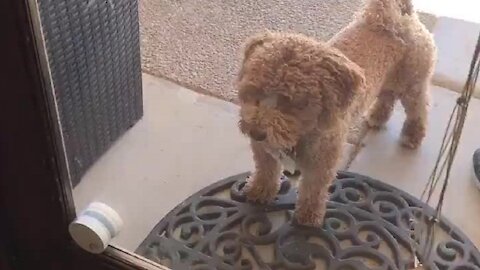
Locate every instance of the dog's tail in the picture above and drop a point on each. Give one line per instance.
(406, 6)
(387, 14)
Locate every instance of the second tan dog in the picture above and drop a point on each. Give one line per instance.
(298, 96)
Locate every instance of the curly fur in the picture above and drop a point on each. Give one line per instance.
(299, 95)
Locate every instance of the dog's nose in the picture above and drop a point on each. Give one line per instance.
(258, 135)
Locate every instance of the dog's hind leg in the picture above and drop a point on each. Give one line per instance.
(263, 186)
(415, 100)
(381, 109)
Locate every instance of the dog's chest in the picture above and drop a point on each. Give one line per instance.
(288, 163)
(287, 160)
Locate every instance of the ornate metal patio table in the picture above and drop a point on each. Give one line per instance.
(369, 225)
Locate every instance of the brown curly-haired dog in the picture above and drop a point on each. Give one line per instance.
(299, 95)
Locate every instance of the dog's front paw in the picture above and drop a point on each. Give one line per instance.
(261, 190)
(309, 216)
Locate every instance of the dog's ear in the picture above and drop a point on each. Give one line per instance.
(254, 42)
(343, 81)
(250, 46)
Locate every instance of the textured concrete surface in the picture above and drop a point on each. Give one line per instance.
(196, 43)
(383, 158)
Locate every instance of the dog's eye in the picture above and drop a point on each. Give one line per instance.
(303, 103)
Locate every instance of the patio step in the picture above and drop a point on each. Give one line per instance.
(456, 40)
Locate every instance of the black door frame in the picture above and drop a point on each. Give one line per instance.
(35, 195)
